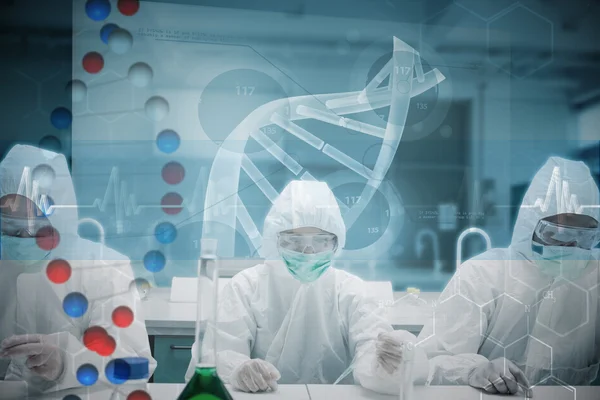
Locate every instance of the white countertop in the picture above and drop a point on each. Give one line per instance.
(353, 392)
(166, 318)
(163, 391)
(348, 392)
(178, 319)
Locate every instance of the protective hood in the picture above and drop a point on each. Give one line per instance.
(302, 204)
(44, 178)
(560, 186)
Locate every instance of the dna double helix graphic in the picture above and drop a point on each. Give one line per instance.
(223, 206)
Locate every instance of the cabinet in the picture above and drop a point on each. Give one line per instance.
(173, 355)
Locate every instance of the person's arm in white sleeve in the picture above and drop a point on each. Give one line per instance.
(236, 329)
(452, 341)
(112, 280)
(365, 322)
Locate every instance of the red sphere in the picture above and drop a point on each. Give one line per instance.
(128, 7)
(47, 238)
(107, 346)
(58, 271)
(122, 316)
(171, 199)
(139, 395)
(173, 173)
(93, 62)
(94, 338)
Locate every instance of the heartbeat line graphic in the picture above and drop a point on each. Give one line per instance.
(30, 188)
(117, 193)
(125, 203)
(566, 202)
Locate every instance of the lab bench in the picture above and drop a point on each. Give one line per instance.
(171, 327)
(328, 392)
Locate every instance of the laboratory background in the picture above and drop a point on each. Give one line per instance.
(184, 117)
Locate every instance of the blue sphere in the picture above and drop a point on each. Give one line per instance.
(97, 10)
(117, 371)
(168, 141)
(106, 31)
(165, 232)
(154, 261)
(61, 118)
(87, 374)
(75, 305)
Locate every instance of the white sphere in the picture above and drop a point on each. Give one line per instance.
(76, 90)
(120, 41)
(44, 175)
(140, 74)
(141, 285)
(157, 108)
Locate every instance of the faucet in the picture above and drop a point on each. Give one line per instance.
(461, 237)
(419, 247)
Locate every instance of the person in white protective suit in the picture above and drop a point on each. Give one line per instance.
(39, 342)
(517, 316)
(295, 318)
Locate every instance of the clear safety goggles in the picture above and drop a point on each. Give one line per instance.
(22, 227)
(301, 243)
(553, 234)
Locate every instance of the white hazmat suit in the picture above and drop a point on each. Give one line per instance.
(32, 304)
(310, 332)
(500, 304)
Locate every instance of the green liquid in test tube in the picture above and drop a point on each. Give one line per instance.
(206, 384)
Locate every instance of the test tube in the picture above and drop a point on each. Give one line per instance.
(206, 317)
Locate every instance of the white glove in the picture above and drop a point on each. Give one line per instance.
(390, 350)
(43, 357)
(499, 376)
(255, 376)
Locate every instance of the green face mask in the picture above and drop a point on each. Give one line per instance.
(306, 267)
(555, 261)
